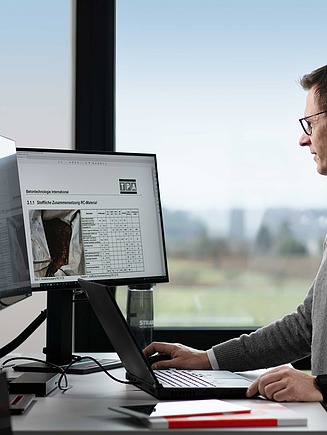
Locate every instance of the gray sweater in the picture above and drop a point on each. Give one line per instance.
(293, 337)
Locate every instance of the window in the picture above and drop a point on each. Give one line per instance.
(36, 72)
(211, 87)
(35, 104)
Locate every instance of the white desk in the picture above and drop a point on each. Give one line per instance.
(83, 410)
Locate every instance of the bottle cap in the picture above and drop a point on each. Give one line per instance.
(141, 286)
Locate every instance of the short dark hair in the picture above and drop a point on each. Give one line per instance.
(317, 79)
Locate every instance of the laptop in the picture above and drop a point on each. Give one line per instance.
(170, 384)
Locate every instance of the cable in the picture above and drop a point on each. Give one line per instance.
(80, 358)
(63, 371)
(63, 374)
(28, 331)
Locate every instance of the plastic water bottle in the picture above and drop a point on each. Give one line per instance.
(140, 313)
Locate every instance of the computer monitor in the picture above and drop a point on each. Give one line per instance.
(14, 272)
(90, 215)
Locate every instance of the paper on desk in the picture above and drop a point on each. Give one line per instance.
(195, 414)
(182, 408)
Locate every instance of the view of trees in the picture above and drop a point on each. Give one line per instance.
(188, 236)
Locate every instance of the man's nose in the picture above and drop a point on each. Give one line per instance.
(304, 140)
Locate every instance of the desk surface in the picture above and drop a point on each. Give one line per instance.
(83, 410)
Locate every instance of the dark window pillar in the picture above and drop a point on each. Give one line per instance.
(95, 75)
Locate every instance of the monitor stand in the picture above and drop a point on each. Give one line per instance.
(59, 338)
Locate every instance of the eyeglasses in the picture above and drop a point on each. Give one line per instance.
(306, 125)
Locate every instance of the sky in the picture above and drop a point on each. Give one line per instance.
(36, 72)
(210, 86)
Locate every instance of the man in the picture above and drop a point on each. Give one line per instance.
(297, 335)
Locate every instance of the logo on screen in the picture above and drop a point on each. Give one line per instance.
(127, 186)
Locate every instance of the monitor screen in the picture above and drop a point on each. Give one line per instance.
(91, 215)
(14, 273)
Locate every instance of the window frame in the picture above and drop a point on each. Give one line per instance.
(95, 130)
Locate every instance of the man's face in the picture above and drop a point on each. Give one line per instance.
(317, 141)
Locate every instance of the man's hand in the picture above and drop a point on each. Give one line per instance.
(182, 357)
(286, 384)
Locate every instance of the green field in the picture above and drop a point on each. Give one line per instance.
(236, 292)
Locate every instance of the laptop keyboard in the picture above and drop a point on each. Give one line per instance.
(182, 378)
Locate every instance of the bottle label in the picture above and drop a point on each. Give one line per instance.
(146, 323)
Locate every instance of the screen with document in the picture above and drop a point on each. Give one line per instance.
(91, 215)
